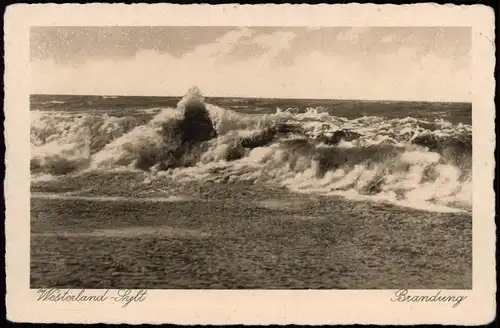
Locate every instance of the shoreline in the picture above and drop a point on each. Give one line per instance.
(237, 241)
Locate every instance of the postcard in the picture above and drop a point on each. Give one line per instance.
(250, 164)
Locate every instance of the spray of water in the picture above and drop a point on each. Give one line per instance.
(407, 161)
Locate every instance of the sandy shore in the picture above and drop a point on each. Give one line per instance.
(242, 236)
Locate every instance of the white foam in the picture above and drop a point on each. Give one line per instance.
(110, 198)
(62, 142)
(131, 232)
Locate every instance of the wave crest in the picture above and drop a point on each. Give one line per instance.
(398, 160)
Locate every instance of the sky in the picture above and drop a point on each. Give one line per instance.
(377, 63)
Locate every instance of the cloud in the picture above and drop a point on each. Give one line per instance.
(352, 35)
(398, 75)
(222, 45)
(277, 41)
(273, 44)
(387, 38)
(418, 77)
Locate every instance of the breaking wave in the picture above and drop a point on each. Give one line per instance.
(406, 161)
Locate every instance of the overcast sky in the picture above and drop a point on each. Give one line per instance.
(334, 62)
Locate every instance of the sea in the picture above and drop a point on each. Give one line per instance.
(416, 154)
(285, 193)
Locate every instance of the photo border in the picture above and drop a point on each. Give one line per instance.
(249, 306)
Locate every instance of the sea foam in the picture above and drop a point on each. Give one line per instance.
(402, 160)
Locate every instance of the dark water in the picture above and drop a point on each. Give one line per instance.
(452, 112)
(70, 134)
(239, 243)
(238, 233)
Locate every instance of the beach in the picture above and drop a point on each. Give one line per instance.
(241, 236)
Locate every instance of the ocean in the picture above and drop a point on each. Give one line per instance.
(286, 193)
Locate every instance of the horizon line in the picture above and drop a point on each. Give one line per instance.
(252, 97)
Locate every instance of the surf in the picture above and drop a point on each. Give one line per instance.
(399, 160)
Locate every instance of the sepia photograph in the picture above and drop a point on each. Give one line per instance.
(250, 164)
(251, 157)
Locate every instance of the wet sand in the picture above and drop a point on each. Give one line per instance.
(242, 237)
